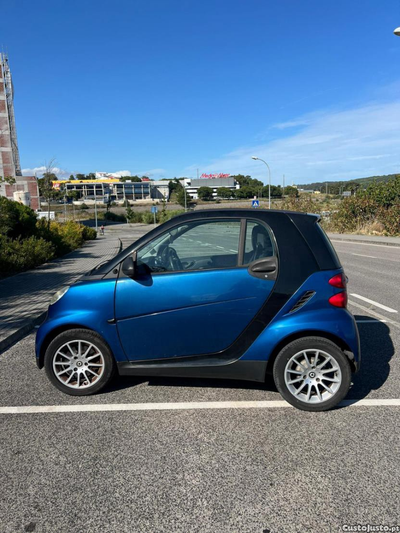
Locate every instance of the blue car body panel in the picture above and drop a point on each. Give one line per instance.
(317, 315)
(192, 312)
(88, 305)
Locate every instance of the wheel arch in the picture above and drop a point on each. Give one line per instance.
(311, 333)
(54, 333)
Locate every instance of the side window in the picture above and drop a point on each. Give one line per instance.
(193, 246)
(258, 242)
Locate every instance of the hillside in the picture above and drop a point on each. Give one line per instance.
(363, 183)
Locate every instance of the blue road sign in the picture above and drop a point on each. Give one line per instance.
(154, 209)
(255, 203)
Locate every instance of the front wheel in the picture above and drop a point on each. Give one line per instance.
(78, 362)
(312, 373)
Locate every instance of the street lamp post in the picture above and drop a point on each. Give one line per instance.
(269, 179)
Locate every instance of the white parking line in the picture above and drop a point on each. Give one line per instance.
(373, 320)
(369, 311)
(176, 406)
(362, 255)
(366, 244)
(384, 307)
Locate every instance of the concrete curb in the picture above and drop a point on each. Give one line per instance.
(21, 332)
(363, 241)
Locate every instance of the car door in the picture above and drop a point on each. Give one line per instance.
(196, 289)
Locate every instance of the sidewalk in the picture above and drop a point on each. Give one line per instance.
(367, 239)
(24, 298)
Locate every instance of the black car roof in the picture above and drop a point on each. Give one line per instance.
(306, 224)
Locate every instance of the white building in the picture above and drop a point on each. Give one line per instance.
(193, 185)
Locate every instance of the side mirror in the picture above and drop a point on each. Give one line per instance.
(129, 266)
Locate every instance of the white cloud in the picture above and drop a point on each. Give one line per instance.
(154, 173)
(332, 145)
(120, 173)
(39, 171)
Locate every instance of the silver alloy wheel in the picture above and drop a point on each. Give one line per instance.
(78, 364)
(313, 376)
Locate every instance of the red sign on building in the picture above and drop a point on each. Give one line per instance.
(213, 176)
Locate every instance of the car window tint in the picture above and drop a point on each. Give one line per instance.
(194, 246)
(258, 242)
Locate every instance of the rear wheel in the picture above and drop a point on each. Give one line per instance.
(312, 374)
(78, 362)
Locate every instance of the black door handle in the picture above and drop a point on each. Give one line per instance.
(265, 265)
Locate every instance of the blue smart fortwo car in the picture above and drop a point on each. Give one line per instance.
(221, 293)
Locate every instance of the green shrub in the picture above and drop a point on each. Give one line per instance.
(390, 219)
(88, 233)
(113, 217)
(167, 215)
(304, 204)
(83, 206)
(16, 220)
(64, 236)
(353, 213)
(133, 216)
(148, 218)
(17, 255)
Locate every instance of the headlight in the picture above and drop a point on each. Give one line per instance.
(59, 294)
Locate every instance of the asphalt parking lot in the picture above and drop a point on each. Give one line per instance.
(220, 468)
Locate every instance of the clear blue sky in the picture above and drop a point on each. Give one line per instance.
(165, 87)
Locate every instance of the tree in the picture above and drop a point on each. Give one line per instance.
(291, 191)
(75, 195)
(174, 185)
(46, 186)
(10, 180)
(16, 220)
(246, 192)
(224, 192)
(248, 180)
(180, 197)
(130, 215)
(205, 193)
(352, 186)
(276, 191)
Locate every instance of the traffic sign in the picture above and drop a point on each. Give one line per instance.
(255, 203)
(154, 209)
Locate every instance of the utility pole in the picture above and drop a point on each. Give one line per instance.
(283, 192)
(326, 190)
(95, 207)
(269, 179)
(184, 192)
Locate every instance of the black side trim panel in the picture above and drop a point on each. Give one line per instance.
(241, 370)
(318, 241)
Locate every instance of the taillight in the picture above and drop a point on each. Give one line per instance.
(339, 299)
(338, 281)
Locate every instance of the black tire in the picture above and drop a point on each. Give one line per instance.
(343, 376)
(87, 336)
